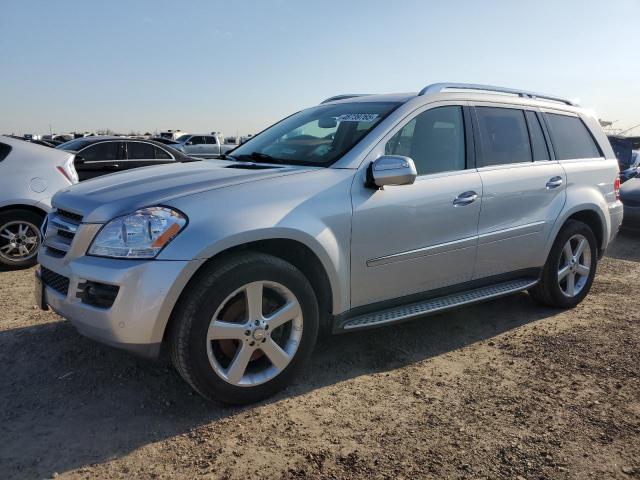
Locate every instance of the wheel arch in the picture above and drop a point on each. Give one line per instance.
(23, 206)
(293, 251)
(594, 221)
(591, 215)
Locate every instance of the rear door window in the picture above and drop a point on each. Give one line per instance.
(211, 140)
(504, 137)
(101, 151)
(570, 137)
(140, 151)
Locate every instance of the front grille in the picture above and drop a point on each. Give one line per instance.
(54, 280)
(54, 252)
(65, 234)
(61, 228)
(74, 217)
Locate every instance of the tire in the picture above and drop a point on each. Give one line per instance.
(553, 291)
(19, 229)
(205, 353)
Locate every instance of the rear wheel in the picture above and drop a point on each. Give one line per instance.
(246, 328)
(570, 269)
(19, 238)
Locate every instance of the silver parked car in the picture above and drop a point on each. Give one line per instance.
(29, 176)
(201, 145)
(359, 212)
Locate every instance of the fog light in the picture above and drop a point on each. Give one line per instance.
(97, 294)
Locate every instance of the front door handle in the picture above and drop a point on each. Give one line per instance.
(554, 182)
(465, 198)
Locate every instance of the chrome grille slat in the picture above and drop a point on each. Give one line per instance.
(61, 229)
(54, 252)
(73, 217)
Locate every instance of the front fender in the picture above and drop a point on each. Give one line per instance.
(315, 213)
(325, 246)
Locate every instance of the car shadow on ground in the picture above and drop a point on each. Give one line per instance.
(67, 402)
(7, 269)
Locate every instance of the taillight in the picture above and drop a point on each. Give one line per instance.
(65, 174)
(68, 171)
(616, 188)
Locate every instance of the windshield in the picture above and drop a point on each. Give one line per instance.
(74, 145)
(317, 136)
(182, 138)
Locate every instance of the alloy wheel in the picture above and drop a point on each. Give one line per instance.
(255, 333)
(574, 266)
(19, 241)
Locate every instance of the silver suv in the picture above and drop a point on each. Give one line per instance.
(363, 211)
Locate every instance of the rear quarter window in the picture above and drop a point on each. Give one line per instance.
(161, 154)
(4, 151)
(570, 137)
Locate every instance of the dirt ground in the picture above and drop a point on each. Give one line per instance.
(502, 390)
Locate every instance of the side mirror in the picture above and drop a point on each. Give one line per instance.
(391, 170)
(189, 142)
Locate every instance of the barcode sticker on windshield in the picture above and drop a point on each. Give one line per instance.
(358, 117)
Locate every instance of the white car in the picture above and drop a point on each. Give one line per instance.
(29, 176)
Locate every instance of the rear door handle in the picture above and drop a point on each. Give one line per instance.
(554, 182)
(465, 198)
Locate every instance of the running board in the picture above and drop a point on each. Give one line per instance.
(434, 305)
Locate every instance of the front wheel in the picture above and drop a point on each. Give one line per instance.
(570, 269)
(245, 329)
(19, 238)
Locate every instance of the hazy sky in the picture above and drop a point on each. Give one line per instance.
(239, 66)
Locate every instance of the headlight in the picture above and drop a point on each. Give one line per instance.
(141, 234)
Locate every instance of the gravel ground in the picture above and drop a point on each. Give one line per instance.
(502, 390)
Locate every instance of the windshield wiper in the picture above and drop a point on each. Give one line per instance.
(259, 157)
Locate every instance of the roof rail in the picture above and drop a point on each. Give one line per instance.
(343, 97)
(439, 87)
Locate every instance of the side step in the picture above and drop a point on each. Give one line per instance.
(434, 305)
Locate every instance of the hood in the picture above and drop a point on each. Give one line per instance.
(103, 198)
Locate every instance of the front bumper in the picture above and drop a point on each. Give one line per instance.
(136, 321)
